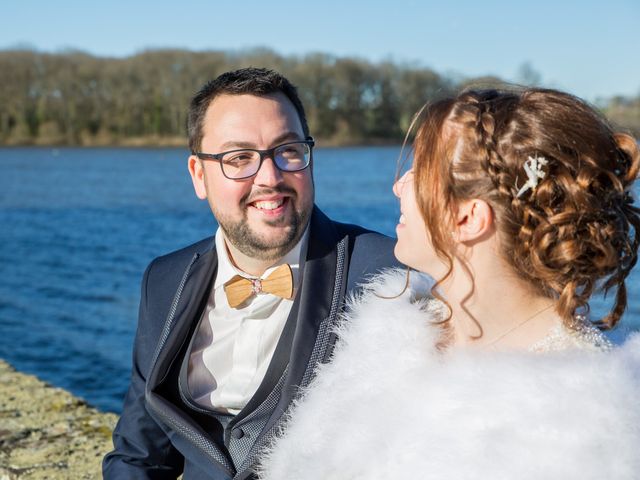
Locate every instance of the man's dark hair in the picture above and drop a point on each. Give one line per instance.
(251, 81)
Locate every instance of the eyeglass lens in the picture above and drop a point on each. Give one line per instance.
(290, 157)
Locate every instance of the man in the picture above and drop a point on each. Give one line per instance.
(231, 328)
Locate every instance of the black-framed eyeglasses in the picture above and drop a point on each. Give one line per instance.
(246, 162)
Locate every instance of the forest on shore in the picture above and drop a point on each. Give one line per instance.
(73, 98)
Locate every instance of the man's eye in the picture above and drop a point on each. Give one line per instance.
(239, 158)
(292, 151)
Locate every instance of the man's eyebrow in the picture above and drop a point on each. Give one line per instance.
(235, 144)
(283, 138)
(288, 137)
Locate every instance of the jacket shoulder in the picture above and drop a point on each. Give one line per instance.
(370, 252)
(161, 280)
(363, 238)
(168, 269)
(182, 257)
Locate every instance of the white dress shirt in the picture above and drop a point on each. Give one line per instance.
(233, 347)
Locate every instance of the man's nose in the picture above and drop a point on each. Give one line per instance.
(268, 174)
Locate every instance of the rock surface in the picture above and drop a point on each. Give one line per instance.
(47, 433)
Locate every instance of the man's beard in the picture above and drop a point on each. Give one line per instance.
(252, 244)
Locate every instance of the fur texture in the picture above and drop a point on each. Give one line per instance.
(389, 406)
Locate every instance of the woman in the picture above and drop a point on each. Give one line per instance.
(518, 204)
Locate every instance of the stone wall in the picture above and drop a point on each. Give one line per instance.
(46, 433)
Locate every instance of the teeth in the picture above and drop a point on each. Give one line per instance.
(269, 205)
(401, 221)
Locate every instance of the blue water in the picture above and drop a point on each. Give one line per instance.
(78, 227)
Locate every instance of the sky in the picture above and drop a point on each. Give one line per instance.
(589, 48)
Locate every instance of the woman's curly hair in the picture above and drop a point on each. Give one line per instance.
(577, 231)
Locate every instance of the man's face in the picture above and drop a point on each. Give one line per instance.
(263, 216)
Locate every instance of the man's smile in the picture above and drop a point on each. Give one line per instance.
(272, 206)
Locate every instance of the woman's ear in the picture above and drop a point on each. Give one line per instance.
(474, 220)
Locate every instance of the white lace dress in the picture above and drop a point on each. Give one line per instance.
(582, 335)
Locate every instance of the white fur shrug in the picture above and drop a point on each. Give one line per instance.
(389, 406)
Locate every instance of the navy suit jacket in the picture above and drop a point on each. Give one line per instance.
(161, 432)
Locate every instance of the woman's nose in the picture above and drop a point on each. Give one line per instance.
(399, 184)
(396, 188)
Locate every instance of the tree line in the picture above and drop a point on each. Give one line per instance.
(73, 98)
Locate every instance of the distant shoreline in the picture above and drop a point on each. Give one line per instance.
(182, 143)
(74, 98)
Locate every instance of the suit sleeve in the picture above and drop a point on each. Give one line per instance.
(141, 448)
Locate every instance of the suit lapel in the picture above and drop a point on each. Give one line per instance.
(316, 298)
(163, 395)
(186, 308)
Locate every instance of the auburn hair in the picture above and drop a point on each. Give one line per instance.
(575, 233)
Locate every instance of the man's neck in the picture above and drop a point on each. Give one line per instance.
(251, 266)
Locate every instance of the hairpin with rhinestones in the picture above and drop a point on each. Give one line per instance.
(533, 167)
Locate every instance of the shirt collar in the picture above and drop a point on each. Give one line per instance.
(227, 270)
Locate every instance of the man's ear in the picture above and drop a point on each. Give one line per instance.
(474, 219)
(197, 176)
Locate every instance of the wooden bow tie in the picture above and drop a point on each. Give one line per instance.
(279, 283)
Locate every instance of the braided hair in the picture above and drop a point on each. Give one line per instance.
(578, 231)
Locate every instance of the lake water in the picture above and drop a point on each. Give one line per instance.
(78, 227)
